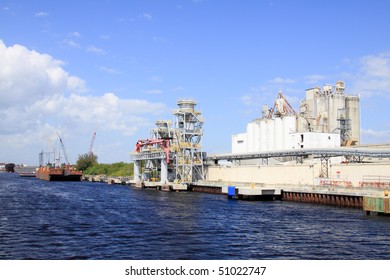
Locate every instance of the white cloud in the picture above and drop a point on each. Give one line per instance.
(373, 77)
(27, 76)
(109, 70)
(156, 79)
(147, 16)
(38, 97)
(153, 91)
(279, 80)
(374, 136)
(74, 34)
(71, 40)
(104, 37)
(96, 50)
(71, 43)
(159, 39)
(41, 14)
(178, 88)
(247, 99)
(315, 79)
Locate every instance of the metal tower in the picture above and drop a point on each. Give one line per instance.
(186, 144)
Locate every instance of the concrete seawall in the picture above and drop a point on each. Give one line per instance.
(348, 186)
(345, 175)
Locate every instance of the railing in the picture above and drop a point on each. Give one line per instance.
(324, 152)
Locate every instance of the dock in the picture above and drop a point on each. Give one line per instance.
(380, 205)
(370, 199)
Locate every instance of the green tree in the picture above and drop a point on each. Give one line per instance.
(112, 169)
(85, 161)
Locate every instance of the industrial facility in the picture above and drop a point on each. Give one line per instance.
(315, 151)
(172, 154)
(327, 118)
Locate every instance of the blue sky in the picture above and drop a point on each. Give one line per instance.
(118, 66)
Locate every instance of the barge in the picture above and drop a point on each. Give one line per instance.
(63, 173)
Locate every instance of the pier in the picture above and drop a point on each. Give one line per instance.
(369, 199)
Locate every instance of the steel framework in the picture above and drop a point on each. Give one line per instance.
(353, 154)
(187, 145)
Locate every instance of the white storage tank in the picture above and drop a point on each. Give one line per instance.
(278, 135)
(270, 132)
(263, 135)
(251, 136)
(353, 113)
(256, 139)
(289, 126)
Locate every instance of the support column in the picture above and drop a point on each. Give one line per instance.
(324, 166)
(164, 171)
(137, 169)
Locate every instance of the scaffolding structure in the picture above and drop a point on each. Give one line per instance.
(187, 145)
(344, 127)
(172, 154)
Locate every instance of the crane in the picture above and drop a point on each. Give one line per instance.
(63, 149)
(164, 143)
(91, 145)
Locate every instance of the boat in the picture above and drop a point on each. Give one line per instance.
(25, 171)
(58, 173)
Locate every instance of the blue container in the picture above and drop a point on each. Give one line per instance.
(231, 190)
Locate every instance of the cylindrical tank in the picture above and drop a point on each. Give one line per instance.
(162, 129)
(257, 135)
(353, 113)
(302, 124)
(250, 132)
(336, 103)
(278, 134)
(270, 128)
(289, 126)
(263, 135)
(321, 107)
(186, 105)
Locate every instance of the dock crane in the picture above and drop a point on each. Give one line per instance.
(63, 149)
(164, 143)
(91, 145)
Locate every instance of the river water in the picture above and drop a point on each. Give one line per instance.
(82, 220)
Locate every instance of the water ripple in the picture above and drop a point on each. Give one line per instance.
(80, 220)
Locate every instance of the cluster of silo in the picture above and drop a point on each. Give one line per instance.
(331, 110)
(270, 134)
(328, 113)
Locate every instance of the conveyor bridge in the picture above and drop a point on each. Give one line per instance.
(351, 154)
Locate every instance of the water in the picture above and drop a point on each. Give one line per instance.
(81, 220)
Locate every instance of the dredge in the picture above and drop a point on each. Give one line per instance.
(56, 171)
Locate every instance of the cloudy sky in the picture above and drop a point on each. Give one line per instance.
(115, 67)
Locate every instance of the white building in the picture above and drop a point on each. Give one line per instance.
(312, 140)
